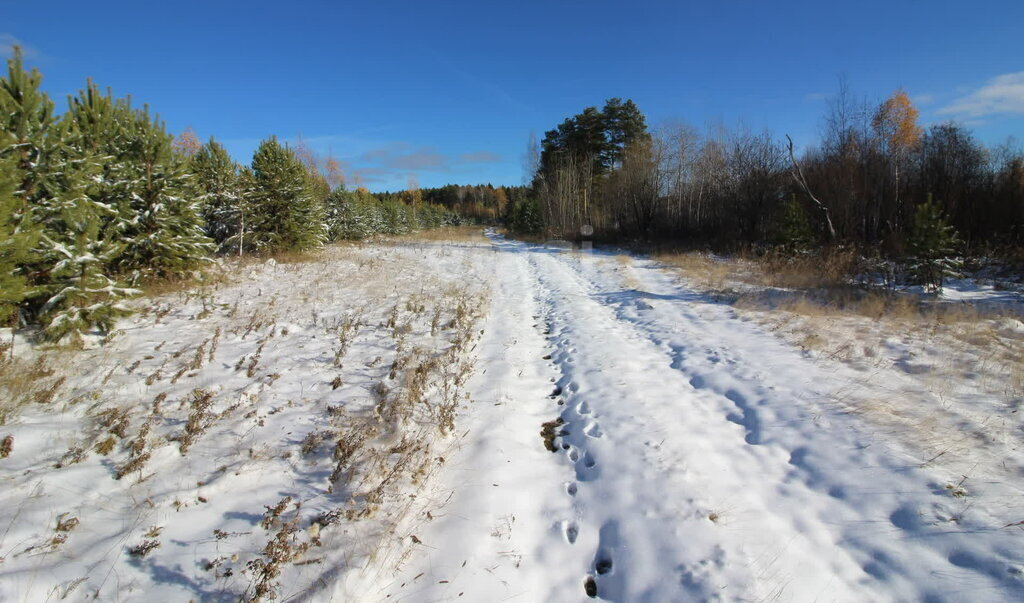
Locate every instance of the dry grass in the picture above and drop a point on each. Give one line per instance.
(811, 285)
(29, 381)
(447, 234)
(218, 274)
(213, 276)
(707, 272)
(198, 419)
(828, 270)
(623, 265)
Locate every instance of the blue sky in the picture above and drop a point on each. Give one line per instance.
(450, 91)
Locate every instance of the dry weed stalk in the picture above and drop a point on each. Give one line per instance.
(115, 421)
(104, 447)
(24, 383)
(392, 320)
(254, 360)
(197, 420)
(145, 548)
(313, 440)
(138, 455)
(345, 332)
(75, 454)
(155, 375)
(66, 523)
(213, 344)
(283, 548)
(157, 401)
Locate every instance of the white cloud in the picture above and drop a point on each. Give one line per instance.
(1001, 94)
(9, 41)
(923, 99)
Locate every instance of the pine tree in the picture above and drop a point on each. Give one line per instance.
(51, 174)
(933, 243)
(397, 217)
(217, 182)
(242, 239)
(17, 237)
(66, 288)
(157, 222)
(794, 229)
(87, 298)
(285, 214)
(348, 216)
(524, 216)
(27, 118)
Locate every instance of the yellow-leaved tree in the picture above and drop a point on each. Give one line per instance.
(895, 124)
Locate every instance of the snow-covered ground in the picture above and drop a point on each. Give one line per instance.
(569, 425)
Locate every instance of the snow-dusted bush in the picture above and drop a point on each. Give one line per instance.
(933, 246)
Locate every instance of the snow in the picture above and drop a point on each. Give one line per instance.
(701, 455)
(708, 460)
(977, 291)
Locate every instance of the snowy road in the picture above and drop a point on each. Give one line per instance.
(697, 458)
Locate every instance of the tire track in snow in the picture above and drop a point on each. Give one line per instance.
(499, 533)
(608, 369)
(577, 428)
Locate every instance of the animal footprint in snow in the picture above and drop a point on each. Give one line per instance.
(609, 541)
(571, 531)
(586, 465)
(593, 430)
(590, 587)
(583, 408)
(571, 488)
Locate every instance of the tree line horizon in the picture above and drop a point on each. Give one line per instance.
(101, 199)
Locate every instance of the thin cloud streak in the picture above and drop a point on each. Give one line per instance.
(1003, 94)
(480, 157)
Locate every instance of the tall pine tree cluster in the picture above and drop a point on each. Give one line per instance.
(99, 200)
